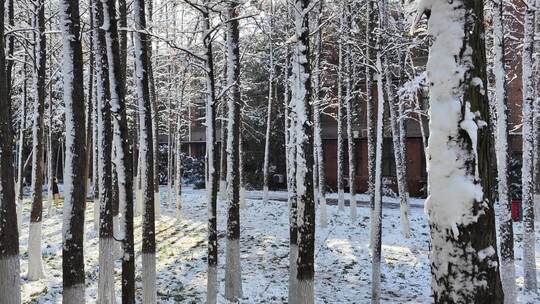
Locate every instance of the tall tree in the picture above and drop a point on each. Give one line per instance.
(106, 292)
(340, 114)
(75, 173)
(155, 109)
(124, 166)
(349, 110)
(35, 267)
(233, 270)
(320, 175)
(506, 232)
(9, 236)
(301, 98)
(141, 45)
(269, 106)
(460, 209)
(212, 161)
(527, 174)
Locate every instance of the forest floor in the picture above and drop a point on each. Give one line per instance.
(342, 266)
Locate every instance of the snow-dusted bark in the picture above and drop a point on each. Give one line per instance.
(317, 130)
(340, 149)
(506, 233)
(290, 155)
(75, 170)
(350, 113)
(300, 98)
(370, 107)
(141, 47)
(35, 267)
(233, 269)
(212, 161)
(124, 166)
(9, 236)
(529, 267)
(376, 216)
(106, 241)
(19, 186)
(399, 151)
(463, 255)
(49, 152)
(155, 112)
(269, 107)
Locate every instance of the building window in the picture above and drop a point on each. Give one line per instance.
(388, 161)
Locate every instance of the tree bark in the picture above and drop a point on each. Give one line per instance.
(301, 97)
(35, 268)
(142, 61)
(75, 174)
(9, 236)
(463, 243)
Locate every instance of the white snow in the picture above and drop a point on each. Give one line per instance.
(342, 262)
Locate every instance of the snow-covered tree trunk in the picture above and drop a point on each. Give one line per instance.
(142, 59)
(269, 107)
(106, 292)
(463, 255)
(370, 107)
(20, 152)
(376, 216)
(350, 113)
(75, 171)
(527, 176)
(155, 114)
(223, 123)
(212, 161)
(317, 136)
(300, 99)
(35, 267)
(506, 232)
(290, 155)
(340, 148)
(49, 152)
(9, 237)
(123, 157)
(398, 145)
(233, 269)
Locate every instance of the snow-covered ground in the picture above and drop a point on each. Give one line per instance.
(343, 263)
